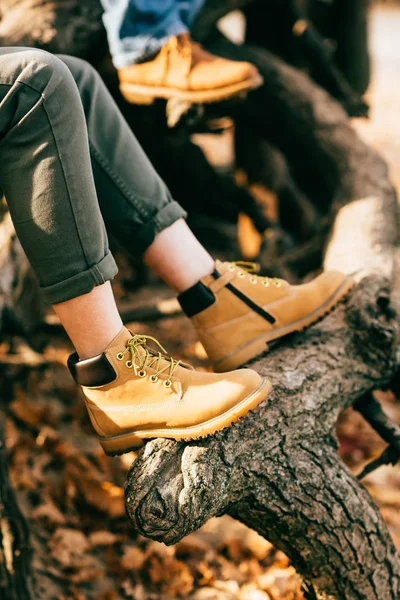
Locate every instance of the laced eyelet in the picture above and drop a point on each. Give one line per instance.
(253, 280)
(129, 364)
(153, 378)
(231, 268)
(167, 383)
(242, 275)
(277, 283)
(142, 373)
(266, 283)
(120, 356)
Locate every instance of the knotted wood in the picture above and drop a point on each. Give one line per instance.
(277, 470)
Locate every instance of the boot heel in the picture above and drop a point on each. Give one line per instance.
(136, 97)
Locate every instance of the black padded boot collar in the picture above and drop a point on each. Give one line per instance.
(91, 372)
(196, 299)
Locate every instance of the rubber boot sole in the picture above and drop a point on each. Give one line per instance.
(260, 345)
(119, 444)
(146, 94)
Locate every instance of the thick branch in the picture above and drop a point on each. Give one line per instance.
(276, 470)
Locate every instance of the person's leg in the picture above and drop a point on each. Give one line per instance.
(138, 29)
(80, 317)
(235, 318)
(46, 177)
(187, 260)
(135, 203)
(134, 200)
(189, 10)
(132, 393)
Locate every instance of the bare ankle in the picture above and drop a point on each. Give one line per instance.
(91, 321)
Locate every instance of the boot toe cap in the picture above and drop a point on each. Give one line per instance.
(330, 281)
(223, 73)
(249, 379)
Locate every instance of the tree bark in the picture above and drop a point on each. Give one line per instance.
(15, 550)
(277, 469)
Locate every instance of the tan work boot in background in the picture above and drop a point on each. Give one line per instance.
(183, 69)
(236, 313)
(134, 393)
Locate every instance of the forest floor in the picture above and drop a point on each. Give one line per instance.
(72, 494)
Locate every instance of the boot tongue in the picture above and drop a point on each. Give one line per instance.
(121, 339)
(240, 265)
(222, 267)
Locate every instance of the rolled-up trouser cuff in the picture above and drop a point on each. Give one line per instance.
(165, 217)
(83, 282)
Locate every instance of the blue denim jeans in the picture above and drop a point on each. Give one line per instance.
(137, 29)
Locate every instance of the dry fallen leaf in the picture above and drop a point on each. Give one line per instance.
(251, 593)
(132, 558)
(49, 512)
(170, 576)
(103, 538)
(280, 583)
(210, 593)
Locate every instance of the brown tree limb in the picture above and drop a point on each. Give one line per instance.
(277, 470)
(20, 307)
(370, 408)
(15, 549)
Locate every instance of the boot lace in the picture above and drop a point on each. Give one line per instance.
(142, 357)
(247, 269)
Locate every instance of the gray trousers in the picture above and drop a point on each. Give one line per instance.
(71, 169)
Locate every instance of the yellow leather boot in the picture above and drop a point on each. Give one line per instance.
(134, 393)
(237, 314)
(183, 69)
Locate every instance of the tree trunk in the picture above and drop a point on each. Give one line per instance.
(277, 469)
